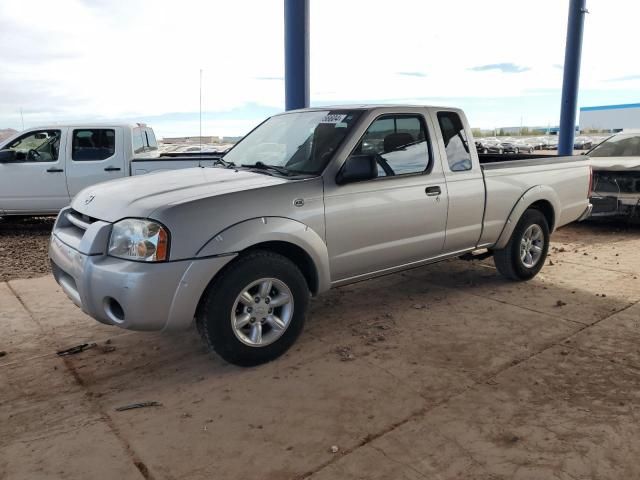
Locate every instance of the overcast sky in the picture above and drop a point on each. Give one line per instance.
(501, 60)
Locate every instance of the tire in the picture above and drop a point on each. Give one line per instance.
(530, 151)
(222, 307)
(516, 151)
(509, 261)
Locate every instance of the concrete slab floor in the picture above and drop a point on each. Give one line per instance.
(443, 372)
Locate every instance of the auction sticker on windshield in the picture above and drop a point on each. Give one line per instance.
(333, 118)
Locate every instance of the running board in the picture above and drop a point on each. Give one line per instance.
(477, 255)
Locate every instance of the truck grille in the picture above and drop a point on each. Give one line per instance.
(79, 220)
(72, 226)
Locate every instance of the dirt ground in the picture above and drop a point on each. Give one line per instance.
(24, 244)
(442, 372)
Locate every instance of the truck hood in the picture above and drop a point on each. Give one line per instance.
(615, 163)
(140, 196)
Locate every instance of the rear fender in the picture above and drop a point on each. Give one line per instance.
(528, 198)
(249, 233)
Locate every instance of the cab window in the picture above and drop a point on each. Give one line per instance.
(137, 141)
(455, 141)
(398, 143)
(143, 140)
(150, 140)
(38, 146)
(93, 144)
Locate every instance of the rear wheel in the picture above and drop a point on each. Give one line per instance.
(524, 255)
(255, 310)
(530, 150)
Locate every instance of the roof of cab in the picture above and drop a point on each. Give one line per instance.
(367, 107)
(90, 125)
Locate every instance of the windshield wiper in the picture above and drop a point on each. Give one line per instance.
(224, 163)
(263, 166)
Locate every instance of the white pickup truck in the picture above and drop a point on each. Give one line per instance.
(42, 169)
(309, 200)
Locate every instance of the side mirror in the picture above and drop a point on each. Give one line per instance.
(358, 168)
(7, 156)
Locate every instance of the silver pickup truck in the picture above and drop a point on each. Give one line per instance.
(309, 200)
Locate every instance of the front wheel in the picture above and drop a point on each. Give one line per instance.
(524, 255)
(255, 310)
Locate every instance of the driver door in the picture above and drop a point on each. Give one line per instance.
(395, 219)
(33, 180)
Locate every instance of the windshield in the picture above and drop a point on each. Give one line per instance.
(624, 145)
(301, 142)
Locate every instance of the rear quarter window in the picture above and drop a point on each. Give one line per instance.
(455, 140)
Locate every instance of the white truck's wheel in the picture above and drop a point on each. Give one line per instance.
(524, 255)
(255, 309)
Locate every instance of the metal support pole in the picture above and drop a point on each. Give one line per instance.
(296, 54)
(571, 79)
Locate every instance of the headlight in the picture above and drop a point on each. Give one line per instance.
(141, 240)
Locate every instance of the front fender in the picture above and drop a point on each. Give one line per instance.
(254, 231)
(534, 194)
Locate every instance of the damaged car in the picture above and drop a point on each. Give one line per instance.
(616, 176)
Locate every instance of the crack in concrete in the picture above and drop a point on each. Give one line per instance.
(402, 464)
(532, 310)
(24, 305)
(624, 272)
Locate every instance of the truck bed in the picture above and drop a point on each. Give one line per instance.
(508, 176)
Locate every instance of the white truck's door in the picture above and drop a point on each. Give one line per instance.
(94, 155)
(32, 175)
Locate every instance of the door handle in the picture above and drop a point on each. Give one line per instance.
(432, 191)
(54, 170)
(112, 169)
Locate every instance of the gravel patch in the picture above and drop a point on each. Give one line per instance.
(24, 242)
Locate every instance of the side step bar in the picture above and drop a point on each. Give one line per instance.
(477, 255)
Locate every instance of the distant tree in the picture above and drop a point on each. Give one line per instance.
(501, 132)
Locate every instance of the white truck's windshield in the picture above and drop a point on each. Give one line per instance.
(301, 142)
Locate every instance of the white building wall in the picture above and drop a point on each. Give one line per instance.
(610, 118)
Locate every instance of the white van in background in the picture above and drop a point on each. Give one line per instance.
(42, 169)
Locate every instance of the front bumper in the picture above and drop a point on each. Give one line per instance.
(130, 295)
